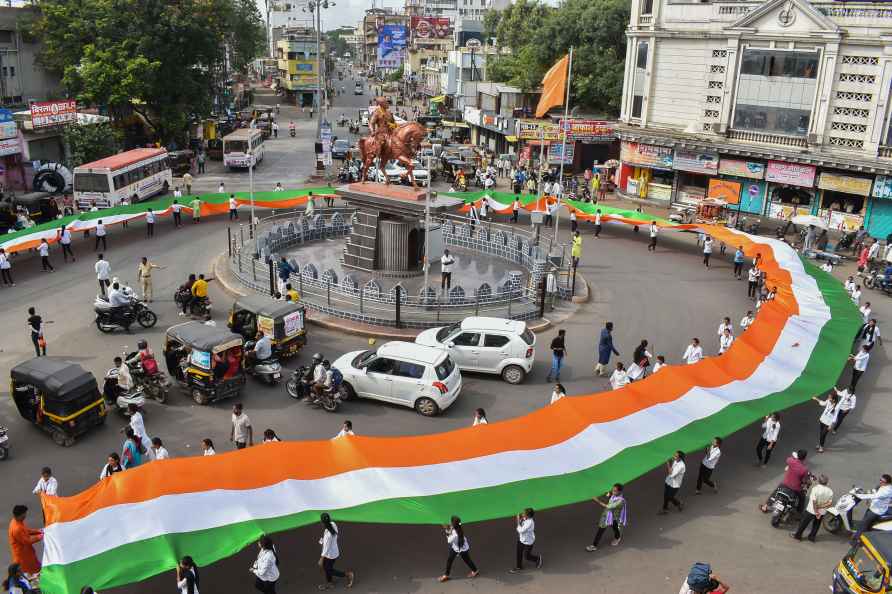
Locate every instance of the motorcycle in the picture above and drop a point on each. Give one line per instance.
(292, 132)
(198, 308)
(109, 318)
(269, 370)
(839, 516)
(156, 386)
(4, 443)
(784, 502)
(330, 400)
(121, 400)
(874, 279)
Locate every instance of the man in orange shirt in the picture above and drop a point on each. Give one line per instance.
(21, 541)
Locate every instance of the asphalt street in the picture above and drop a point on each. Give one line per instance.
(666, 297)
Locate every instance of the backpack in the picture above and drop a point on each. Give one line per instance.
(698, 577)
(336, 377)
(149, 365)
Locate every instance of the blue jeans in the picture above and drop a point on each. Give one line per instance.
(556, 364)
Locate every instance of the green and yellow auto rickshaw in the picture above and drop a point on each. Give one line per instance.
(283, 321)
(58, 396)
(865, 568)
(205, 360)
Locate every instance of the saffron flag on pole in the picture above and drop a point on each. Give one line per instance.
(553, 86)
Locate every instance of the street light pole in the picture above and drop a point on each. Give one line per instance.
(427, 227)
(251, 186)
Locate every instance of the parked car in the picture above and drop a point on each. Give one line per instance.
(487, 345)
(399, 174)
(339, 148)
(424, 378)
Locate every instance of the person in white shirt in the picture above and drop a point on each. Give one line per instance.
(484, 209)
(459, 546)
(725, 325)
(6, 269)
(176, 208)
(828, 418)
(113, 465)
(65, 242)
(515, 210)
(233, 207)
(673, 481)
(869, 334)
(873, 251)
(346, 429)
(859, 365)
(558, 393)
(847, 402)
(330, 553)
(573, 222)
(827, 266)
(865, 311)
(747, 321)
(856, 294)
(661, 363)
(619, 377)
(850, 284)
(880, 499)
(480, 417)
(266, 566)
(597, 222)
(44, 250)
(208, 447)
(820, 499)
(221, 189)
(150, 223)
(526, 538)
(103, 269)
(177, 193)
(159, 452)
(241, 433)
(100, 236)
(693, 353)
(707, 465)
(278, 187)
(752, 290)
(770, 431)
(654, 230)
(446, 263)
(136, 421)
(47, 485)
(473, 217)
(725, 341)
(707, 250)
(187, 576)
(557, 189)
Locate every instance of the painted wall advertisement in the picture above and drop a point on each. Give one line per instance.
(649, 155)
(53, 113)
(882, 187)
(791, 174)
(697, 161)
(554, 153)
(10, 146)
(8, 130)
(391, 43)
(424, 27)
(723, 189)
(844, 183)
(738, 168)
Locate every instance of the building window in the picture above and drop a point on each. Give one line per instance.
(776, 91)
(637, 103)
(11, 71)
(641, 57)
(6, 36)
(647, 6)
(639, 79)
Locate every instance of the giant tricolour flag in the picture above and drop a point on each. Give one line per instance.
(137, 523)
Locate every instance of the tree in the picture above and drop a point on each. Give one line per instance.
(90, 142)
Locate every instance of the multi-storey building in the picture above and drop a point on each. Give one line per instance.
(298, 65)
(374, 20)
(777, 106)
(284, 14)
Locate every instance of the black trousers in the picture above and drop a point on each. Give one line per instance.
(330, 571)
(751, 289)
(525, 552)
(464, 557)
(706, 259)
(840, 418)
(446, 280)
(45, 263)
(514, 216)
(265, 587)
(808, 518)
(669, 494)
(7, 276)
(597, 230)
(867, 523)
(763, 452)
(652, 246)
(66, 251)
(233, 214)
(35, 339)
(150, 229)
(573, 225)
(738, 268)
(177, 220)
(822, 433)
(103, 283)
(100, 239)
(856, 375)
(704, 477)
(602, 529)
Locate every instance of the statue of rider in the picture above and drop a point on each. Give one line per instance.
(382, 124)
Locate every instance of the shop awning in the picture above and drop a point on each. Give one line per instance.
(438, 99)
(452, 124)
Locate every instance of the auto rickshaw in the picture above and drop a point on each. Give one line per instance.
(58, 396)
(205, 360)
(180, 162)
(282, 321)
(865, 568)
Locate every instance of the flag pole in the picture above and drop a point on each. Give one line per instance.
(557, 211)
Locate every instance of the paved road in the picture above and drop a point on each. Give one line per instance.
(665, 297)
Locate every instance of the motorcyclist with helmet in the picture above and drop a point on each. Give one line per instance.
(145, 357)
(322, 379)
(309, 377)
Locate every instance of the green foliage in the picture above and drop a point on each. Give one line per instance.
(91, 142)
(396, 75)
(336, 41)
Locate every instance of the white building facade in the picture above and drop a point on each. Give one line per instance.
(777, 106)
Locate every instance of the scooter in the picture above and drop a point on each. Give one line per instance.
(109, 318)
(4, 443)
(156, 386)
(840, 515)
(269, 370)
(121, 401)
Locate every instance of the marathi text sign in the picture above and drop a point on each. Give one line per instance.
(53, 113)
(578, 130)
(649, 155)
(10, 146)
(846, 184)
(696, 161)
(554, 153)
(792, 174)
(723, 189)
(738, 168)
(882, 187)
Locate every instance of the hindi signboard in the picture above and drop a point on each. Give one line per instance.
(53, 113)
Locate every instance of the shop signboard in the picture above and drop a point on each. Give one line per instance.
(425, 27)
(535, 129)
(738, 168)
(53, 113)
(791, 174)
(10, 146)
(659, 192)
(5, 115)
(843, 221)
(472, 115)
(648, 155)
(723, 189)
(588, 131)
(554, 153)
(845, 184)
(778, 210)
(697, 161)
(8, 130)
(391, 43)
(882, 187)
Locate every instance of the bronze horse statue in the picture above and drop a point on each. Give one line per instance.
(401, 145)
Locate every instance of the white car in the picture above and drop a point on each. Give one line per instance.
(488, 345)
(399, 174)
(404, 373)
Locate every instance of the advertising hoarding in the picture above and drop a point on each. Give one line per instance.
(392, 41)
(791, 174)
(53, 113)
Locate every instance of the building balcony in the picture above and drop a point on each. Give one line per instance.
(765, 138)
(885, 152)
(646, 20)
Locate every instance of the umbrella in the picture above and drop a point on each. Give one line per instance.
(810, 220)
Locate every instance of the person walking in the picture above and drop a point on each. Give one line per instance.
(65, 242)
(144, 276)
(880, 499)
(573, 222)
(753, 276)
(558, 350)
(747, 321)
(859, 365)
(707, 250)
(207, 447)
(707, 465)
(847, 401)
(233, 208)
(100, 236)
(44, 250)
(869, 334)
(201, 159)
(827, 419)
(654, 230)
(771, 427)
(558, 393)
(195, 205)
(6, 269)
(515, 209)
(526, 538)
(614, 515)
(866, 311)
(640, 362)
(241, 432)
(820, 499)
(480, 417)
(597, 222)
(446, 263)
(330, 554)
(22, 540)
(738, 263)
(473, 218)
(159, 452)
(187, 576)
(112, 466)
(694, 352)
(725, 341)
(47, 484)
(459, 546)
(187, 181)
(346, 430)
(620, 377)
(576, 250)
(103, 270)
(150, 223)
(35, 325)
(605, 349)
(266, 566)
(672, 484)
(175, 208)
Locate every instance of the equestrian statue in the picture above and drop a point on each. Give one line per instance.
(387, 141)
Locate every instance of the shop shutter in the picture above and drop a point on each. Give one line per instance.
(880, 223)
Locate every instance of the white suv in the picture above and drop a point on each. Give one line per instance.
(489, 345)
(424, 378)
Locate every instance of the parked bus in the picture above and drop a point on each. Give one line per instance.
(237, 145)
(142, 172)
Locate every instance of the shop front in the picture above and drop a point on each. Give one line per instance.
(843, 200)
(646, 171)
(693, 172)
(790, 189)
(750, 175)
(879, 209)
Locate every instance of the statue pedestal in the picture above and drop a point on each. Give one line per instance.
(388, 231)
